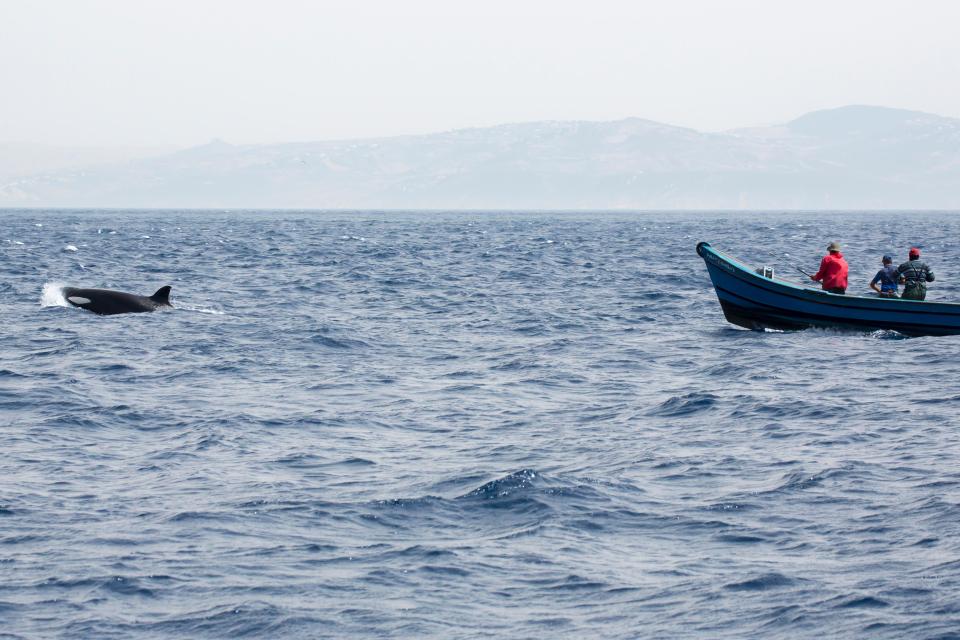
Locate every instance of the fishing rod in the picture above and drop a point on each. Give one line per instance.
(805, 284)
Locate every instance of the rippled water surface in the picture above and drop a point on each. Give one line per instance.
(466, 425)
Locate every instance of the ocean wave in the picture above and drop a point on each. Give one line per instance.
(337, 343)
(455, 428)
(508, 486)
(764, 582)
(685, 405)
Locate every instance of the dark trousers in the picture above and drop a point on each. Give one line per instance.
(914, 292)
(836, 290)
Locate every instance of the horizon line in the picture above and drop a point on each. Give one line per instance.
(768, 210)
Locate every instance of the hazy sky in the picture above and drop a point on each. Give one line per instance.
(172, 72)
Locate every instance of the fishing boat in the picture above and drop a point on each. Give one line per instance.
(757, 299)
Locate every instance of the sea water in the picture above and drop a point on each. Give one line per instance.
(461, 425)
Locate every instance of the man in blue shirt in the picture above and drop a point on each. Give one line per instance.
(887, 277)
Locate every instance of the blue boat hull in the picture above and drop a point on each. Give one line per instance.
(751, 300)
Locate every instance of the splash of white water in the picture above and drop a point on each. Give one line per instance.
(52, 295)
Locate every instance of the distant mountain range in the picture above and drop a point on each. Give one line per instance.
(857, 157)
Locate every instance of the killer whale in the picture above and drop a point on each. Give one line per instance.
(107, 303)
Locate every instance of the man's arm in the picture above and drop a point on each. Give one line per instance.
(900, 277)
(818, 276)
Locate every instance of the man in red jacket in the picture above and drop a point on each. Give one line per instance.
(833, 270)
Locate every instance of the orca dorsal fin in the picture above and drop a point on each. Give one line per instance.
(162, 296)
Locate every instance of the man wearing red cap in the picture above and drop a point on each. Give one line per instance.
(833, 270)
(915, 274)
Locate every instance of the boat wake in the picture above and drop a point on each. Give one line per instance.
(214, 312)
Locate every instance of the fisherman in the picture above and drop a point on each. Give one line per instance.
(833, 270)
(888, 279)
(914, 274)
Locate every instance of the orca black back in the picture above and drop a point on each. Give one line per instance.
(106, 302)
